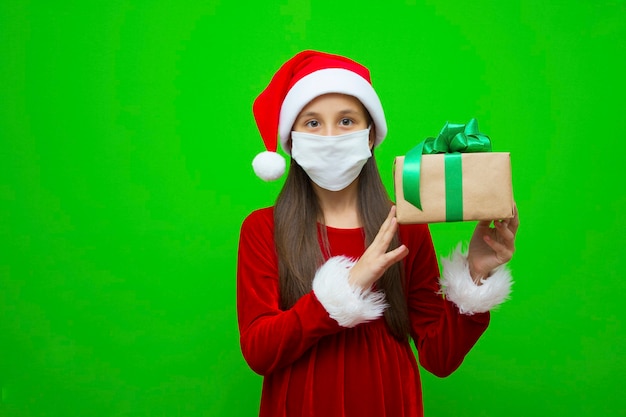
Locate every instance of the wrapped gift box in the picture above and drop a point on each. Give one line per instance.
(486, 192)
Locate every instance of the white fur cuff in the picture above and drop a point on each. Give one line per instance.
(346, 304)
(458, 286)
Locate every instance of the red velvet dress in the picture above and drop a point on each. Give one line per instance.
(314, 367)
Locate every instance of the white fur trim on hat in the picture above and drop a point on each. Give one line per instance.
(459, 287)
(346, 304)
(325, 81)
(268, 166)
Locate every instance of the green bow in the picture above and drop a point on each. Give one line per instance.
(453, 140)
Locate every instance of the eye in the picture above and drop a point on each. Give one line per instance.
(312, 123)
(346, 122)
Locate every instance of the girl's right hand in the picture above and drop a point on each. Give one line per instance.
(377, 257)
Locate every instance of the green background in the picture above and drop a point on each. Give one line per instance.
(126, 139)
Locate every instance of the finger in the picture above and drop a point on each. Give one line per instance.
(503, 251)
(387, 231)
(504, 233)
(390, 220)
(483, 224)
(514, 222)
(511, 223)
(391, 214)
(386, 236)
(387, 222)
(395, 255)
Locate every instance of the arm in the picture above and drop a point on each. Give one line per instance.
(443, 335)
(272, 338)
(479, 280)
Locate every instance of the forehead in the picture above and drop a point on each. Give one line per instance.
(334, 102)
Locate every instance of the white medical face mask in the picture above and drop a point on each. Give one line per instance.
(332, 162)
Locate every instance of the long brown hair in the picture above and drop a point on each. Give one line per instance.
(296, 214)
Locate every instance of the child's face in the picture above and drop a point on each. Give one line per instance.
(332, 115)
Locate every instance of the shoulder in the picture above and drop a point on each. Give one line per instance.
(256, 240)
(259, 221)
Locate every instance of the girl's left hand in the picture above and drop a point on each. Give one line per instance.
(491, 247)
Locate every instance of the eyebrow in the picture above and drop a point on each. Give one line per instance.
(313, 114)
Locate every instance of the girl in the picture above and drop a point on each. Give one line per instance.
(330, 289)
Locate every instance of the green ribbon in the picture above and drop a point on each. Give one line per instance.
(453, 140)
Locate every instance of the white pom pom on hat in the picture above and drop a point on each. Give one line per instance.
(268, 165)
(307, 75)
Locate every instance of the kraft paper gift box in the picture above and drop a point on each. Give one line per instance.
(454, 186)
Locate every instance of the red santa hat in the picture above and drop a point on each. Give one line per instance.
(304, 77)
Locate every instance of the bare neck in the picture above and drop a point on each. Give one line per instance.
(340, 208)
